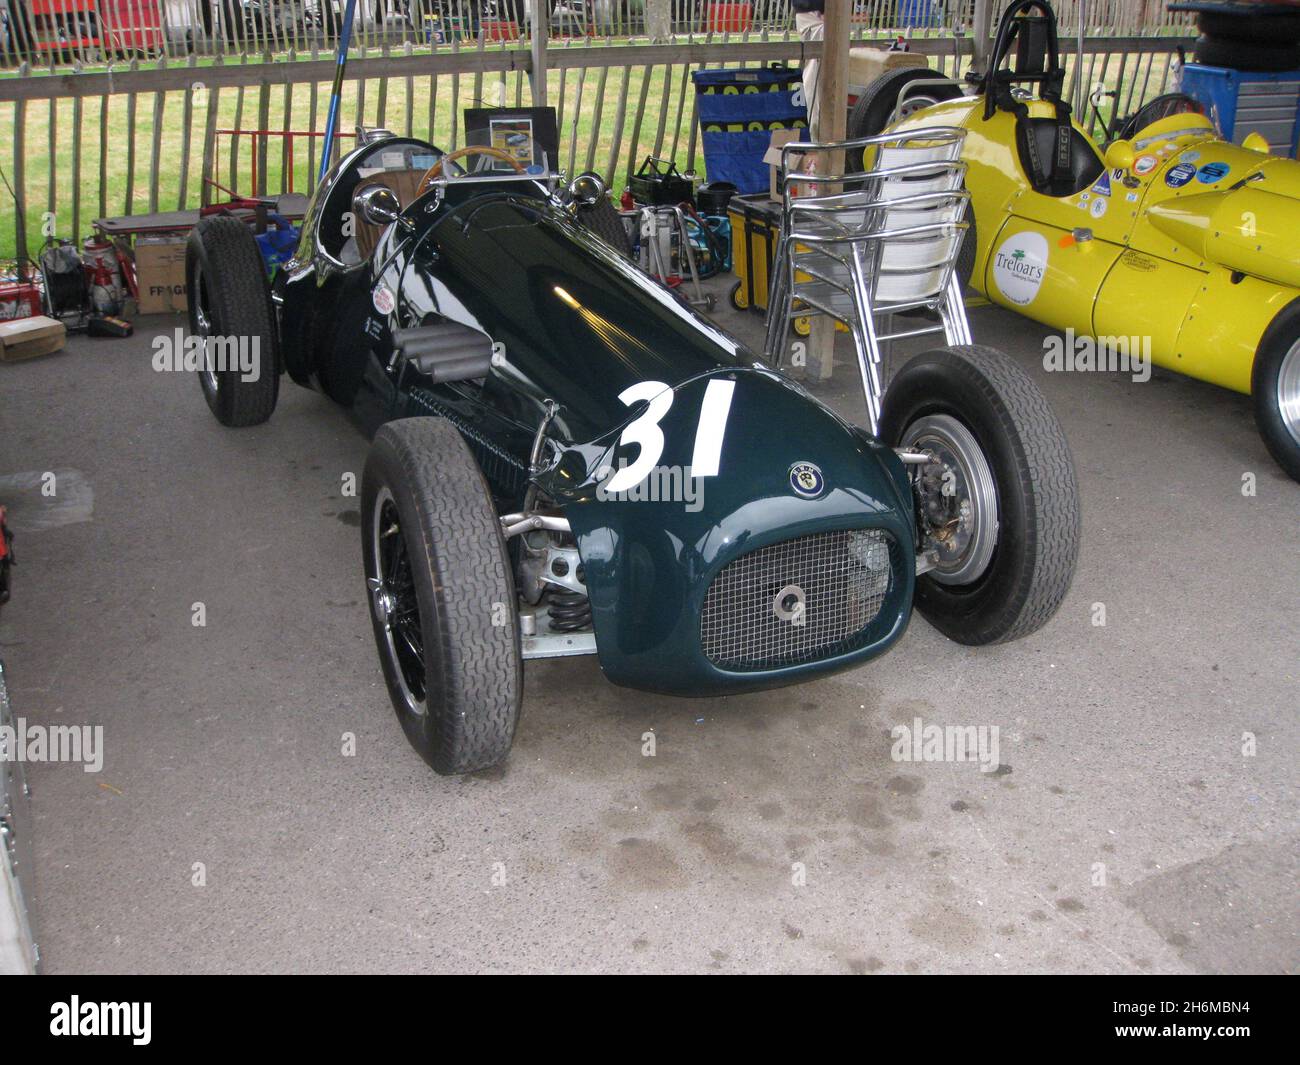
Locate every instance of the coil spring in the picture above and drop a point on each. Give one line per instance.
(569, 611)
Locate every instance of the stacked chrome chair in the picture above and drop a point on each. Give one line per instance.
(860, 247)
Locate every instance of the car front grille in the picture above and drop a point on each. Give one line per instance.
(752, 616)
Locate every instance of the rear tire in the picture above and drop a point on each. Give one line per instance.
(1275, 392)
(439, 576)
(1015, 546)
(230, 297)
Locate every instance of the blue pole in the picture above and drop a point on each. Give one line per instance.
(336, 93)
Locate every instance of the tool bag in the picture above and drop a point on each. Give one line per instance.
(659, 184)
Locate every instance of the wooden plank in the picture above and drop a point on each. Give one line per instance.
(232, 182)
(577, 115)
(634, 148)
(128, 195)
(541, 29)
(155, 148)
(619, 119)
(51, 178)
(77, 105)
(663, 109)
(595, 118)
(187, 131)
(103, 156)
(211, 101)
(19, 171)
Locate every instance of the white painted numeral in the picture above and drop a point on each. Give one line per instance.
(644, 431)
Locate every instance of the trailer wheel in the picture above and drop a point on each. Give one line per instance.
(442, 595)
(1001, 503)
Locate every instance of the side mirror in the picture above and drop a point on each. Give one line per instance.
(378, 205)
(1120, 155)
(586, 189)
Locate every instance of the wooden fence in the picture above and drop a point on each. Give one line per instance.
(164, 134)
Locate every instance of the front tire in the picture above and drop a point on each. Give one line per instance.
(229, 300)
(442, 596)
(1275, 393)
(1003, 503)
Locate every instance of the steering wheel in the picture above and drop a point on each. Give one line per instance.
(1171, 103)
(434, 172)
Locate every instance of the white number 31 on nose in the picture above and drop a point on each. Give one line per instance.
(649, 437)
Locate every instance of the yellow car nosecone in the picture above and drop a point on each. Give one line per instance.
(1172, 244)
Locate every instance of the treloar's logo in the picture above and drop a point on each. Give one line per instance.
(1019, 266)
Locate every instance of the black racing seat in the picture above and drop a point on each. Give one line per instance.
(1057, 159)
(1082, 168)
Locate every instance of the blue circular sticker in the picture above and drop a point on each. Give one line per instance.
(806, 479)
(1212, 172)
(1180, 175)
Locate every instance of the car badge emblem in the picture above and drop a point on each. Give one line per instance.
(806, 479)
(383, 299)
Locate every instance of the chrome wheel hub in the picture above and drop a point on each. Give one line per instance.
(1288, 391)
(958, 495)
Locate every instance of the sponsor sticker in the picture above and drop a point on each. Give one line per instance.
(382, 297)
(1212, 172)
(1144, 164)
(1102, 188)
(1180, 175)
(1189, 156)
(1019, 265)
(1098, 208)
(1132, 197)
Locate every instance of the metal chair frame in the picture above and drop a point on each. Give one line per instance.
(839, 241)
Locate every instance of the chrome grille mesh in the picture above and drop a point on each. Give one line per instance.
(752, 618)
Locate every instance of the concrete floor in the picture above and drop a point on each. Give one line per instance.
(1126, 832)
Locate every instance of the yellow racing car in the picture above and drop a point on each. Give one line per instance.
(1172, 241)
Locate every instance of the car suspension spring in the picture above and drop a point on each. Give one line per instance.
(569, 611)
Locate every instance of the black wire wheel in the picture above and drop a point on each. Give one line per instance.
(395, 605)
(441, 595)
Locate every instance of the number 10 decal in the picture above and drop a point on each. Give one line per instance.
(649, 437)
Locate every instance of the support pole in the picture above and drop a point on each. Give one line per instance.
(832, 120)
(980, 28)
(541, 30)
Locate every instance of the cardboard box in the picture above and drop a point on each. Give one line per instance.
(772, 157)
(28, 337)
(160, 273)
